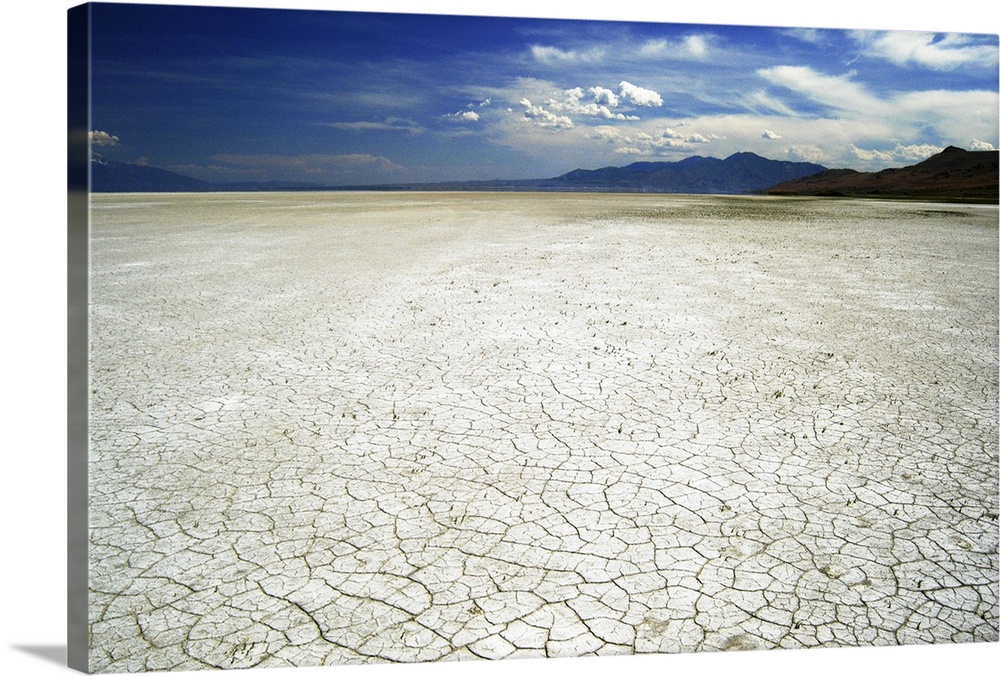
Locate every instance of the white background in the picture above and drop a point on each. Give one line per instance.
(33, 331)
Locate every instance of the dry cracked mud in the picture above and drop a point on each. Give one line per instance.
(344, 428)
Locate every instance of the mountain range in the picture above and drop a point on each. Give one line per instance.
(737, 174)
(953, 174)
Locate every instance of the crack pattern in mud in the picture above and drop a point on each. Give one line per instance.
(355, 428)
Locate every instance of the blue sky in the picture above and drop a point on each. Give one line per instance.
(345, 98)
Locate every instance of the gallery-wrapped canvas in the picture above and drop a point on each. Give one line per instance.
(414, 338)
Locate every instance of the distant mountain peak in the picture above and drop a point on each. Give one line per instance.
(742, 172)
(115, 176)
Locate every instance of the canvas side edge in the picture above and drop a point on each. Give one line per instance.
(78, 238)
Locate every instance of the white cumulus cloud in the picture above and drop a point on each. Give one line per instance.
(103, 138)
(607, 134)
(916, 152)
(638, 95)
(604, 96)
(879, 156)
(573, 104)
(545, 118)
(470, 114)
(900, 155)
(770, 135)
(981, 145)
(464, 116)
(651, 143)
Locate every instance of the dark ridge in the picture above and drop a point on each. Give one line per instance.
(953, 174)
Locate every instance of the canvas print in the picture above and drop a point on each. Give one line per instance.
(412, 338)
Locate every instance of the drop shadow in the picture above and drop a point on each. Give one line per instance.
(50, 653)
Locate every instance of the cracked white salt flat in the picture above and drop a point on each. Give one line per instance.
(347, 428)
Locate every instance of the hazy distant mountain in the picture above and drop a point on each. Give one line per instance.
(952, 174)
(738, 173)
(110, 176)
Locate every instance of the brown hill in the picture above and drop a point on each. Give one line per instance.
(953, 174)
